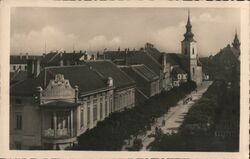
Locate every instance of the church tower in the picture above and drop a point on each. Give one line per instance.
(236, 42)
(189, 49)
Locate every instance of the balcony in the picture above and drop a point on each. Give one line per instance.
(58, 133)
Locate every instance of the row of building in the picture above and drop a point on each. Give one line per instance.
(56, 97)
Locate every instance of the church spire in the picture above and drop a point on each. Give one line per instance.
(236, 42)
(189, 35)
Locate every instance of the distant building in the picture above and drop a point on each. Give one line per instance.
(236, 42)
(19, 67)
(178, 76)
(59, 58)
(225, 62)
(135, 57)
(147, 82)
(19, 62)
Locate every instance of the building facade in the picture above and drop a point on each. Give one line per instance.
(49, 110)
(146, 80)
(57, 106)
(19, 62)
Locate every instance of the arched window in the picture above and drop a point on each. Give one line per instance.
(186, 51)
(193, 70)
(193, 51)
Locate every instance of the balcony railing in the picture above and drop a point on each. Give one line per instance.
(51, 133)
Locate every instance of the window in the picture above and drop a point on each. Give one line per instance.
(95, 110)
(186, 51)
(106, 107)
(81, 117)
(25, 67)
(14, 67)
(193, 71)
(111, 104)
(20, 67)
(88, 113)
(101, 111)
(52, 122)
(193, 51)
(18, 120)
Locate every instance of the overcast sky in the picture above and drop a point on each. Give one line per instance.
(94, 29)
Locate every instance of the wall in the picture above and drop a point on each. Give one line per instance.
(124, 99)
(30, 134)
(154, 88)
(88, 103)
(199, 75)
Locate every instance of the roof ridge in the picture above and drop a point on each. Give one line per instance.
(122, 71)
(153, 59)
(52, 58)
(142, 93)
(94, 70)
(66, 66)
(151, 71)
(140, 74)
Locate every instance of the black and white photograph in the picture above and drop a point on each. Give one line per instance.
(126, 79)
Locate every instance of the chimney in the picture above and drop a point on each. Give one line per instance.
(110, 82)
(76, 93)
(21, 56)
(164, 63)
(80, 51)
(39, 90)
(30, 68)
(61, 59)
(97, 55)
(37, 67)
(27, 56)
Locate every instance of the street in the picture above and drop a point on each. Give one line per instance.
(172, 120)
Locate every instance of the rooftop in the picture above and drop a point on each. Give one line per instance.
(83, 76)
(107, 69)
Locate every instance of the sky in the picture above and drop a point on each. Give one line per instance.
(94, 29)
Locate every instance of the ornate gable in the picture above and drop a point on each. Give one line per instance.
(58, 89)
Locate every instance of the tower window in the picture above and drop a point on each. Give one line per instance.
(193, 51)
(193, 71)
